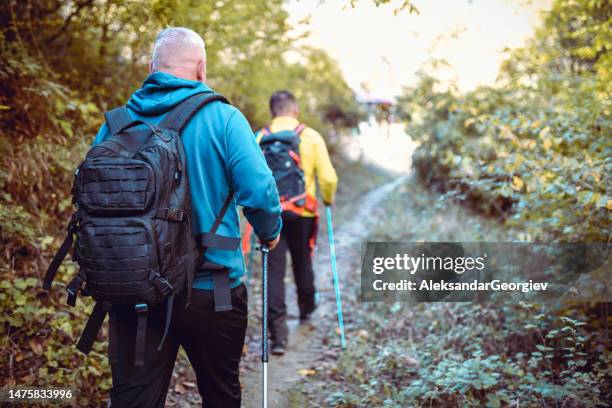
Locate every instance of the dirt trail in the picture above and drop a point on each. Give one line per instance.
(305, 343)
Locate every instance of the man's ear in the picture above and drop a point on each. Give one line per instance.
(201, 74)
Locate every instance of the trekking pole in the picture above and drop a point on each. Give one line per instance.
(264, 325)
(332, 254)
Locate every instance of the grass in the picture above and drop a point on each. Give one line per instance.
(457, 354)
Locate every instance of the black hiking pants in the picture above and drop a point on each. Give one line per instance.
(213, 342)
(295, 238)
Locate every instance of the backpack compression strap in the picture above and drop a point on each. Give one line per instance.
(117, 119)
(96, 318)
(212, 239)
(221, 284)
(61, 254)
(94, 323)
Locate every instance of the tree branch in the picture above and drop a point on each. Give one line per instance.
(64, 27)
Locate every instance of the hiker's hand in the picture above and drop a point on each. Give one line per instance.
(273, 243)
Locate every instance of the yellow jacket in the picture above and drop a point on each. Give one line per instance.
(314, 157)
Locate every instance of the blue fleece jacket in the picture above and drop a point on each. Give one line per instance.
(221, 154)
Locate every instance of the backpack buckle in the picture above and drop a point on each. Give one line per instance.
(141, 308)
(175, 214)
(170, 214)
(72, 224)
(73, 289)
(163, 286)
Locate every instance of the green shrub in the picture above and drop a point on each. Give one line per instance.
(535, 149)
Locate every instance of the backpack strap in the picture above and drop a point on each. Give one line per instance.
(178, 118)
(299, 128)
(169, 304)
(142, 311)
(112, 337)
(267, 132)
(260, 135)
(61, 253)
(117, 119)
(214, 240)
(221, 285)
(94, 323)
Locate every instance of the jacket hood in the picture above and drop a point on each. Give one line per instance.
(161, 92)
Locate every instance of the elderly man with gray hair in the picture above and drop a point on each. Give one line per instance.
(225, 168)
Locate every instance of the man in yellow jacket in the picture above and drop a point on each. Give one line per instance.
(299, 224)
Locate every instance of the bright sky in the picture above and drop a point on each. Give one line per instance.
(470, 35)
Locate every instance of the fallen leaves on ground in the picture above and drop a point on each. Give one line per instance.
(305, 372)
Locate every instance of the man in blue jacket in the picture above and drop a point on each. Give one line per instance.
(222, 156)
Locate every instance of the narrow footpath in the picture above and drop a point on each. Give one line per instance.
(306, 344)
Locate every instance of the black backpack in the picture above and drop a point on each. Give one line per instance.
(282, 153)
(134, 242)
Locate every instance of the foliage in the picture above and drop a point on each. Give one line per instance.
(37, 348)
(460, 354)
(61, 65)
(432, 355)
(535, 148)
(532, 151)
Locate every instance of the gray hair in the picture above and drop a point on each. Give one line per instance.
(172, 38)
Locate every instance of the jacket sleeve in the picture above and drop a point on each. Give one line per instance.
(252, 181)
(325, 172)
